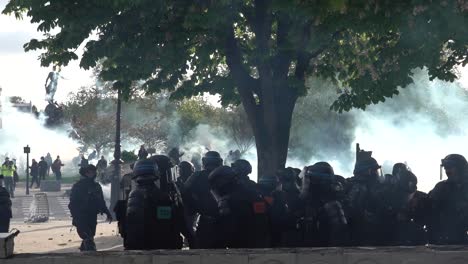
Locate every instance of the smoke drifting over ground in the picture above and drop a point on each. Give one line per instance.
(21, 129)
(420, 126)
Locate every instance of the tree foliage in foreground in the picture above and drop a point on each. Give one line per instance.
(257, 52)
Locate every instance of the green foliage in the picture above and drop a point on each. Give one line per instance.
(255, 52)
(129, 156)
(368, 47)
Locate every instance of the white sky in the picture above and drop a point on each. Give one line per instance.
(21, 73)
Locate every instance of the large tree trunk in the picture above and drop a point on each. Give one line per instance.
(268, 99)
(272, 130)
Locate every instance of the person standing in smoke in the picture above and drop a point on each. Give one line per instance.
(86, 202)
(154, 220)
(57, 168)
(201, 202)
(35, 174)
(5, 208)
(448, 212)
(101, 168)
(43, 166)
(48, 159)
(15, 174)
(243, 214)
(84, 162)
(142, 153)
(93, 155)
(8, 171)
(175, 155)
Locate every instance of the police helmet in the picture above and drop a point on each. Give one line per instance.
(186, 169)
(454, 160)
(185, 165)
(145, 167)
(319, 173)
(242, 167)
(212, 159)
(221, 177)
(364, 165)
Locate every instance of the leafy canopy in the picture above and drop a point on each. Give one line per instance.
(366, 47)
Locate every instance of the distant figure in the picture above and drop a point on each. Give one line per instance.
(232, 157)
(196, 161)
(101, 168)
(42, 168)
(86, 202)
(5, 208)
(7, 170)
(93, 155)
(48, 159)
(57, 168)
(142, 153)
(175, 155)
(84, 162)
(51, 84)
(15, 174)
(186, 170)
(35, 174)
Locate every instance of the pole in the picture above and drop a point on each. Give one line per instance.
(115, 183)
(27, 173)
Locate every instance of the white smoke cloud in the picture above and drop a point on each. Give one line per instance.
(20, 129)
(420, 126)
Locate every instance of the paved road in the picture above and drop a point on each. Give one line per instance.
(57, 201)
(58, 208)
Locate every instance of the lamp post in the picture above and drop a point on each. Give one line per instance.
(115, 182)
(27, 150)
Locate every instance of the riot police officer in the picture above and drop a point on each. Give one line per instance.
(243, 169)
(322, 221)
(154, 220)
(270, 189)
(201, 202)
(363, 192)
(403, 208)
(243, 218)
(86, 202)
(448, 215)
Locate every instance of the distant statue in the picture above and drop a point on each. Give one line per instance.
(51, 84)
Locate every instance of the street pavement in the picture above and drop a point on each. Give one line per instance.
(58, 203)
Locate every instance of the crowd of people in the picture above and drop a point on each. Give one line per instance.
(221, 207)
(39, 171)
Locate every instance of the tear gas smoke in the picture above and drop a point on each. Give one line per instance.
(20, 129)
(420, 126)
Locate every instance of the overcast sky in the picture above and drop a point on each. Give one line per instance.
(21, 73)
